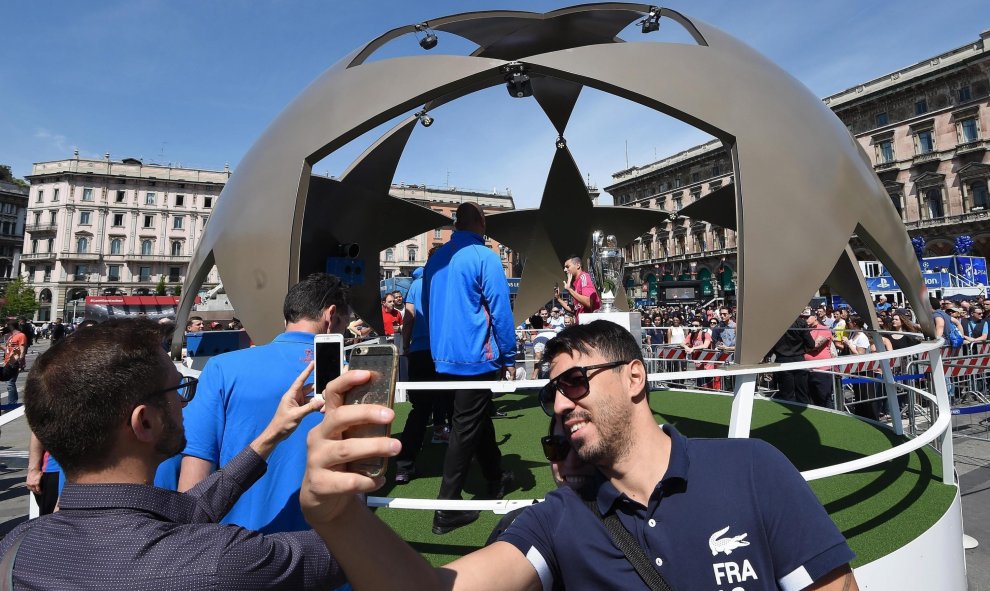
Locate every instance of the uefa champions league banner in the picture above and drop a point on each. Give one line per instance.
(972, 269)
(886, 284)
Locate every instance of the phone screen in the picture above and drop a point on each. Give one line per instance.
(382, 362)
(328, 362)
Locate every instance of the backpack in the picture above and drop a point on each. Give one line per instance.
(952, 335)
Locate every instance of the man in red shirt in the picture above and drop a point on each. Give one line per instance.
(14, 350)
(819, 384)
(391, 318)
(581, 288)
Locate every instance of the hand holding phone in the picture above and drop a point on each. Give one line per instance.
(382, 361)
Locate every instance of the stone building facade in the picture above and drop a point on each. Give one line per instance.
(112, 227)
(13, 210)
(925, 128)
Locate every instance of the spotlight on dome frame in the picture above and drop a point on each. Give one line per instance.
(429, 41)
(651, 23)
(561, 142)
(424, 119)
(517, 80)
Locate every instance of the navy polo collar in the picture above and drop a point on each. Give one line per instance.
(674, 479)
(170, 505)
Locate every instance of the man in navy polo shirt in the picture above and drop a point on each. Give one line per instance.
(714, 514)
(238, 394)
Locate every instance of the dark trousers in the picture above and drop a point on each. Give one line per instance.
(820, 388)
(793, 385)
(49, 493)
(424, 402)
(472, 435)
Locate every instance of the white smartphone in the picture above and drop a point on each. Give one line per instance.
(329, 356)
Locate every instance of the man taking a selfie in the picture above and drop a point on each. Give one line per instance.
(704, 514)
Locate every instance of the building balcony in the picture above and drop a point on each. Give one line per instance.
(78, 277)
(42, 228)
(80, 256)
(922, 158)
(38, 256)
(949, 220)
(179, 258)
(972, 146)
(885, 165)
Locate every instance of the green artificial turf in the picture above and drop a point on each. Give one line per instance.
(878, 509)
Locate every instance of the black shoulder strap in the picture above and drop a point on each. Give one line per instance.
(7, 564)
(624, 541)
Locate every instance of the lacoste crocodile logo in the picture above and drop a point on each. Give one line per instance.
(726, 545)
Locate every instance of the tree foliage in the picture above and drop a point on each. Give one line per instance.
(19, 300)
(8, 176)
(160, 288)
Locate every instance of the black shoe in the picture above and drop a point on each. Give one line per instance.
(498, 488)
(448, 521)
(404, 476)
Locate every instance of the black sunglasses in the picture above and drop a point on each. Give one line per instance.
(572, 383)
(186, 388)
(555, 446)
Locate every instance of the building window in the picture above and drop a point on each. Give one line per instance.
(149, 221)
(719, 239)
(149, 198)
(925, 141)
(176, 248)
(144, 273)
(146, 247)
(115, 246)
(180, 200)
(679, 246)
(84, 218)
(921, 107)
(173, 274)
(699, 240)
(885, 152)
(436, 234)
(48, 277)
(933, 204)
(118, 220)
(695, 177)
(53, 214)
(30, 274)
(412, 255)
(34, 246)
(389, 255)
(715, 169)
(895, 198)
(55, 195)
(120, 196)
(981, 198)
(207, 202)
(41, 197)
(678, 202)
(113, 272)
(37, 218)
(882, 119)
(968, 131)
(177, 221)
(51, 245)
(964, 94)
(82, 244)
(81, 272)
(87, 195)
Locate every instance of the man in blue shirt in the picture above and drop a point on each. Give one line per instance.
(466, 305)
(239, 391)
(707, 513)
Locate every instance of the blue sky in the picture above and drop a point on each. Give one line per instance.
(195, 82)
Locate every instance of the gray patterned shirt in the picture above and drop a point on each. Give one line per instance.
(137, 537)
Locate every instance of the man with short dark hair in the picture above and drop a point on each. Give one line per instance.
(57, 331)
(239, 390)
(708, 513)
(108, 404)
(194, 324)
(581, 287)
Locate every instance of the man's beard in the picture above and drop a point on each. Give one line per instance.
(612, 422)
(173, 438)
